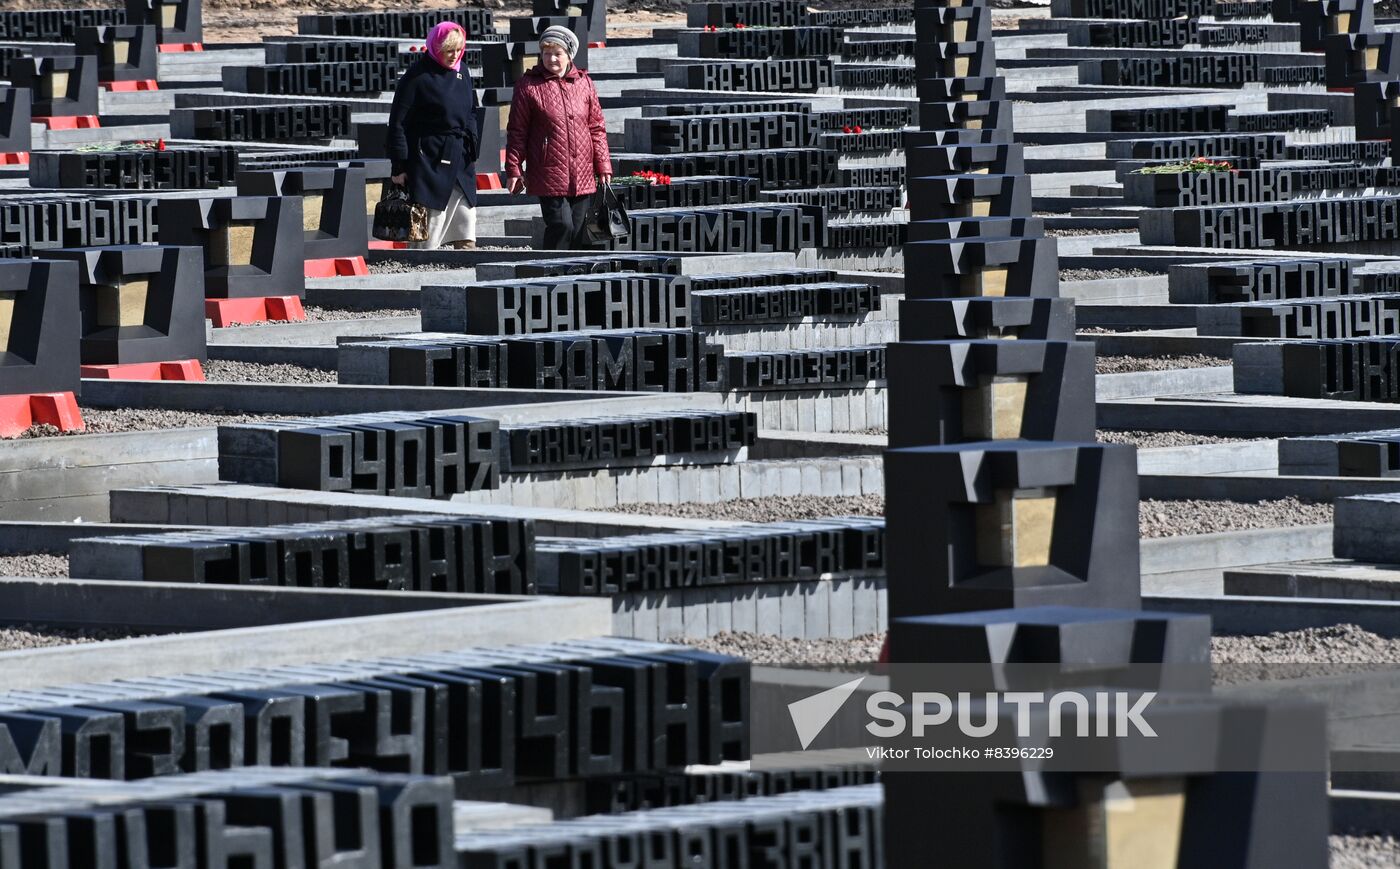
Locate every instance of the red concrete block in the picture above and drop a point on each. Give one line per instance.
(489, 181)
(148, 84)
(58, 409)
(285, 308)
(18, 158)
(183, 369)
(380, 244)
(15, 415)
(335, 266)
(597, 45)
(181, 46)
(69, 122)
(255, 309)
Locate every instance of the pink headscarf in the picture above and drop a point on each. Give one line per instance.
(436, 37)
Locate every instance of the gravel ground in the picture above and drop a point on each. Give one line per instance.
(1155, 518)
(1364, 852)
(1336, 644)
(774, 509)
(1149, 439)
(1125, 364)
(29, 636)
(35, 564)
(105, 421)
(226, 371)
(1105, 330)
(325, 315)
(1174, 518)
(399, 267)
(1084, 230)
(770, 649)
(1102, 274)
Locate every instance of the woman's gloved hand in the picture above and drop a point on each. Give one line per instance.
(517, 184)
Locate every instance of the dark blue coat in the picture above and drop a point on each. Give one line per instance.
(433, 133)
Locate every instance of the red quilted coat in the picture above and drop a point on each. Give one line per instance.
(556, 128)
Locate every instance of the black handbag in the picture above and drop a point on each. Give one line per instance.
(607, 221)
(397, 218)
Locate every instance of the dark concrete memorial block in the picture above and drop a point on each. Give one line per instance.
(334, 222)
(1232, 782)
(1324, 18)
(313, 79)
(53, 25)
(124, 52)
(948, 392)
(538, 306)
(1351, 370)
(59, 85)
(1374, 108)
(948, 197)
(1043, 319)
(789, 75)
(1268, 281)
(527, 30)
(176, 21)
(965, 115)
(760, 43)
(1014, 266)
(1004, 159)
(674, 134)
(1007, 524)
(1356, 57)
(38, 223)
(1097, 641)
(39, 327)
(932, 88)
(964, 59)
(1343, 317)
(593, 12)
(15, 112)
(397, 24)
(950, 24)
(253, 245)
(148, 169)
(1170, 33)
(139, 303)
(503, 63)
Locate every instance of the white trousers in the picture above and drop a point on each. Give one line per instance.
(456, 222)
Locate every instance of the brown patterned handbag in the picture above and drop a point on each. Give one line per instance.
(397, 218)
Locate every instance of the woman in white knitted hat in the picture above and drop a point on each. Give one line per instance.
(556, 144)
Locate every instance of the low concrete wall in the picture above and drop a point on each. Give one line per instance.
(683, 484)
(1234, 548)
(58, 479)
(814, 609)
(1265, 615)
(1148, 384)
(1205, 459)
(511, 620)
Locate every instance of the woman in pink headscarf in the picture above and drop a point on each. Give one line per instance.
(433, 138)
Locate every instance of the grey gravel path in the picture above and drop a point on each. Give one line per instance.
(111, 421)
(770, 649)
(1155, 518)
(326, 315)
(1336, 644)
(35, 564)
(774, 509)
(1125, 364)
(1102, 274)
(1364, 852)
(1068, 232)
(399, 267)
(1150, 439)
(29, 636)
(227, 371)
(1176, 518)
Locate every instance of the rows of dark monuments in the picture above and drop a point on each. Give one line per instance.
(1010, 535)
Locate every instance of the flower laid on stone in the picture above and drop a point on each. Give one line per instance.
(645, 176)
(1193, 164)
